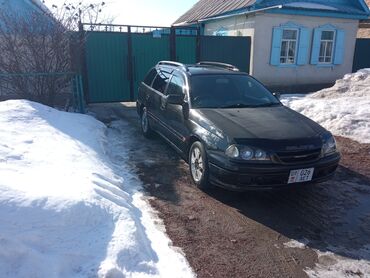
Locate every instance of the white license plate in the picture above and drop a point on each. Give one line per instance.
(302, 175)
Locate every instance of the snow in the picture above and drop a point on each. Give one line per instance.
(296, 244)
(332, 265)
(343, 109)
(67, 209)
(312, 6)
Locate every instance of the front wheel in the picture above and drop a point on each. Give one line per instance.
(198, 164)
(144, 123)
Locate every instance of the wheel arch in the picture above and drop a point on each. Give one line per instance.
(192, 139)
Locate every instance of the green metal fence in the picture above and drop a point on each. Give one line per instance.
(119, 56)
(361, 58)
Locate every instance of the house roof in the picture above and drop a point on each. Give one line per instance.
(208, 8)
(24, 6)
(205, 9)
(40, 5)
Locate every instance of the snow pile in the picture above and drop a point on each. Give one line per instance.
(343, 109)
(66, 210)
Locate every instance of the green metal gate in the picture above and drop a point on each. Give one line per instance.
(107, 70)
(361, 59)
(147, 51)
(117, 57)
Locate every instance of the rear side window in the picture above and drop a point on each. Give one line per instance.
(176, 86)
(150, 76)
(161, 80)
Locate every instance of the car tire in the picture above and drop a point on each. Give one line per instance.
(144, 124)
(198, 165)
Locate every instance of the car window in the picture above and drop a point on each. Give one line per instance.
(176, 85)
(150, 76)
(228, 91)
(161, 80)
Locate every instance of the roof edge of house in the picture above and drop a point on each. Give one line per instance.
(254, 9)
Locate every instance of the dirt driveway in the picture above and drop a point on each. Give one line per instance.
(323, 230)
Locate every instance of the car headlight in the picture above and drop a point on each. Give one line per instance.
(330, 146)
(232, 151)
(246, 153)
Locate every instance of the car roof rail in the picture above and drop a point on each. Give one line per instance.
(219, 65)
(172, 63)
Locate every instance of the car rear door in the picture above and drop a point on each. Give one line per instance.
(145, 90)
(174, 113)
(159, 87)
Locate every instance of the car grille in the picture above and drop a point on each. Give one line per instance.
(299, 156)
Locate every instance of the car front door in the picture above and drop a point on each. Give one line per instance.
(174, 113)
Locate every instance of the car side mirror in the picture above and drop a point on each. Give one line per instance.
(175, 99)
(277, 95)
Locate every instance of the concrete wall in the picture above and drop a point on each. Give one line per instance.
(259, 27)
(305, 74)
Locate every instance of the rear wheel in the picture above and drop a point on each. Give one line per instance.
(144, 123)
(198, 165)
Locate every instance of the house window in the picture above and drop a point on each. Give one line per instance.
(326, 47)
(289, 46)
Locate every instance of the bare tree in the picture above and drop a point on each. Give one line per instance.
(39, 50)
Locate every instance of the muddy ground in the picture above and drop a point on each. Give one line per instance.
(228, 234)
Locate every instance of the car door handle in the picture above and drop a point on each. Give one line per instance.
(163, 103)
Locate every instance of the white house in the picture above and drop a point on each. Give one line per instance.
(294, 43)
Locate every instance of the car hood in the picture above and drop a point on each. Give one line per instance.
(270, 123)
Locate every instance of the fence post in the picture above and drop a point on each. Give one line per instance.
(173, 44)
(130, 64)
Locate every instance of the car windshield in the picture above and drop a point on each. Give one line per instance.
(229, 91)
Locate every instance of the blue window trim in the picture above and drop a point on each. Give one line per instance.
(296, 46)
(333, 48)
(321, 28)
(290, 26)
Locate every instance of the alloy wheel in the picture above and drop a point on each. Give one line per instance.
(197, 164)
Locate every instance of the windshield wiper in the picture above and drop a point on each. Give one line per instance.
(238, 105)
(268, 105)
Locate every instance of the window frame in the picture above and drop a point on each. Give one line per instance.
(326, 44)
(297, 30)
(159, 70)
(147, 75)
(178, 75)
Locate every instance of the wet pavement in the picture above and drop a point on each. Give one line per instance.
(228, 234)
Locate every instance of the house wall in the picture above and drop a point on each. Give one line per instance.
(260, 28)
(304, 74)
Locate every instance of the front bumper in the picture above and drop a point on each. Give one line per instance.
(270, 176)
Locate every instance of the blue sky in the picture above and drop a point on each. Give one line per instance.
(141, 12)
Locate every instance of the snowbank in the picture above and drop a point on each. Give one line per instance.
(343, 109)
(65, 209)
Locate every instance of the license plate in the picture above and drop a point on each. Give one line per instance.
(302, 175)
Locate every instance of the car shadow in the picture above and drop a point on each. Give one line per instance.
(333, 216)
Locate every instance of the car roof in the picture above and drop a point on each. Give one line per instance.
(201, 69)
(206, 70)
